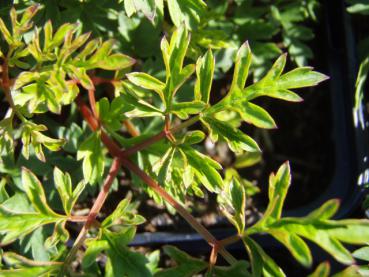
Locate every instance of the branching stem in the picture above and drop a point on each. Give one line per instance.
(117, 153)
(146, 143)
(99, 202)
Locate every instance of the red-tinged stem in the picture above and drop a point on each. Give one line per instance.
(99, 202)
(99, 80)
(180, 209)
(213, 256)
(230, 240)
(91, 98)
(113, 148)
(168, 198)
(6, 84)
(132, 130)
(135, 169)
(77, 218)
(144, 144)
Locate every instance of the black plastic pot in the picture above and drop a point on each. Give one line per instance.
(350, 137)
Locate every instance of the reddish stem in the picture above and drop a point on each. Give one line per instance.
(131, 128)
(77, 218)
(99, 202)
(113, 148)
(146, 143)
(111, 145)
(230, 240)
(91, 98)
(168, 198)
(99, 80)
(6, 84)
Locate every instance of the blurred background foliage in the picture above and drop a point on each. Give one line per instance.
(271, 27)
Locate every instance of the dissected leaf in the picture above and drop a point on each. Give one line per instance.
(67, 195)
(186, 12)
(91, 151)
(204, 71)
(261, 263)
(205, 168)
(186, 265)
(236, 140)
(123, 214)
(35, 193)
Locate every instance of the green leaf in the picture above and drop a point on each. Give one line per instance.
(112, 114)
(123, 214)
(193, 137)
(205, 73)
(238, 196)
(326, 234)
(360, 83)
(300, 78)
(186, 266)
(326, 211)
(184, 109)
(31, 135)
(15, 225)
(204, 167)
(295, 245)
(121, 260)
(140, 108)
(35, 193)
(362, 253)
(26, 77)
(63, 184)
(147, 7)
(353, 271)
(81, 75)
(177, 49)
(233, 198)
(358, 6)
(173, 56)
(279, 184)
(261, 263)
(238, 269)
(188, 12)
(236, 140)
(322, 270)
(247, 159)
(94, 248)
(115, 62)
(255, 115)
(163, 167)
(91, 151)
(5, 32)
(241, 70)
(30, 271)
(147, 81)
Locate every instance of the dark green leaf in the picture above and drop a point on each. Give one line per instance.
(187, 266)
